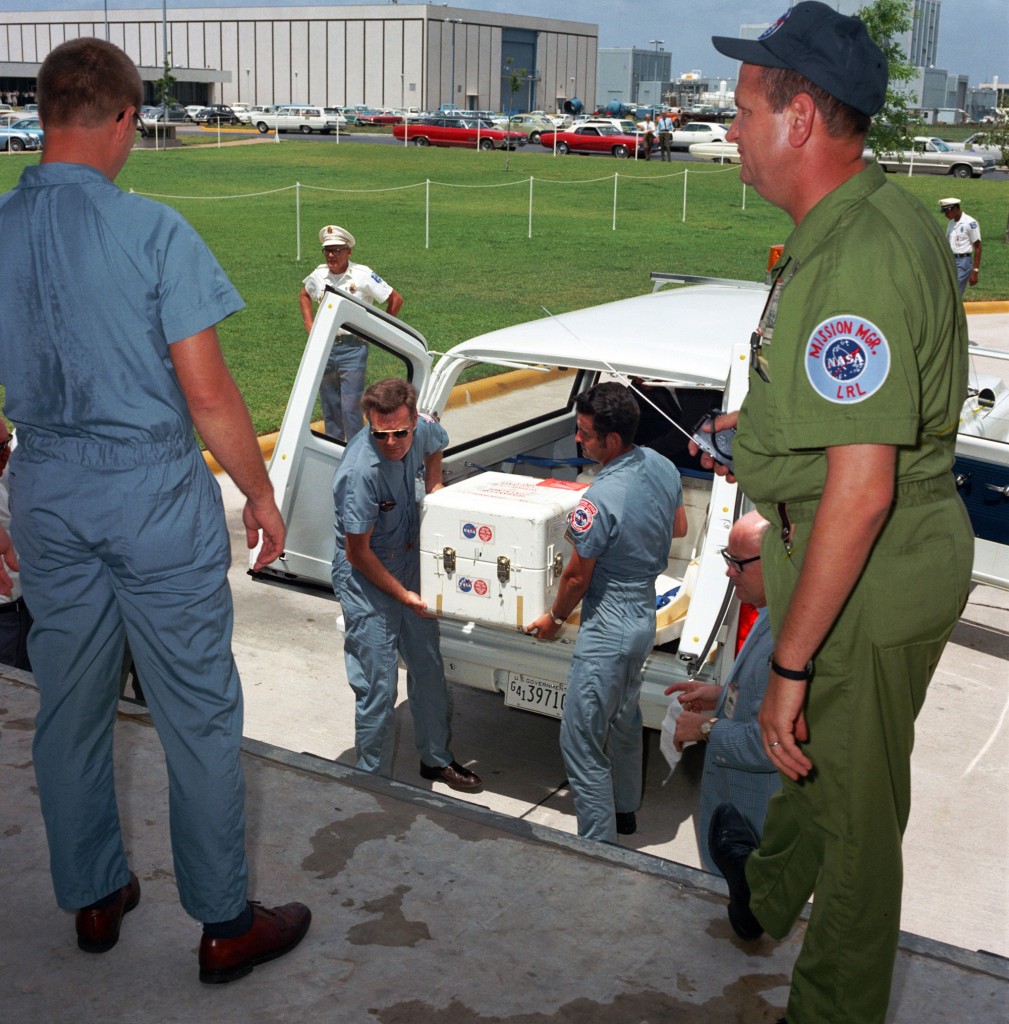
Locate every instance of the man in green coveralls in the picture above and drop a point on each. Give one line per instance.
(845, 443)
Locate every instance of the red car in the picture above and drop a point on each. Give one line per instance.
(386, 117)
(471, 133)
(595, 139)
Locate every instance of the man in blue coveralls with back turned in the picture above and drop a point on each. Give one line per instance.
(382, 478)
(109, 356)
(621, 531)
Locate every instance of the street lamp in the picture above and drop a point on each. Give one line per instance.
(248, 72)
(453, 22)
(656, 43)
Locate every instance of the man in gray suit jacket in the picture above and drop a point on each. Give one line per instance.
(736, 768)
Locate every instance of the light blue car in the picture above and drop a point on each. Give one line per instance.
(30, 125)
(17, 140)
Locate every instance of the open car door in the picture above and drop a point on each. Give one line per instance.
(305, 457)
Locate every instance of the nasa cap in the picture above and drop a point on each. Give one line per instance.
(948, 204)
(832, 50)
(332, 234)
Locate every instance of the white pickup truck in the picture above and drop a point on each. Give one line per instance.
(696, 353)
(296, 118)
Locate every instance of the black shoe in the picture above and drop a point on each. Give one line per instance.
(453, 775)
(627, 823)
(730, 842)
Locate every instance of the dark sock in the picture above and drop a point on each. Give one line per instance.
(105, 901)
(230, 929)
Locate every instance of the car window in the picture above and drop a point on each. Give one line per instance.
(355, 363)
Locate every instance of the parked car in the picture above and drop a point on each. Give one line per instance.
(461, 132)
(697, 131)
(720, 151)
(31, 125)
(217, 114)
(192, 110)
(336, 115)
(175, 114)
(6, 108)
(531, 125)
(980, 143)
(595, 139)
(622, 124)
(17, 140)
(535, 437)
(243, 111)
(929, 155)
(380, 117)
(299, 117)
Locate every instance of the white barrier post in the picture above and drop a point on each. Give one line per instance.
(615, 178)
(427, 215)
(530, 206)
(744, 196)
(297, 215)
(685, 170)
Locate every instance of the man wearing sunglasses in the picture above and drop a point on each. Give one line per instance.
(737, 769)
(381, 480)
(347, 366)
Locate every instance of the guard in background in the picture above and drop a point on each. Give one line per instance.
(964, 237)
(379, 484)
(621, 531)
(344, 377)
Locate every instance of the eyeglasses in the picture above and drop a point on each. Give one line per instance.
(736, 563)
(381, 435)
(336, 250)
(141, 127)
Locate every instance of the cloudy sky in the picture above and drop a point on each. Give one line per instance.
(973, 34)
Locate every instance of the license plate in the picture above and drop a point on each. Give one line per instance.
(535, 694)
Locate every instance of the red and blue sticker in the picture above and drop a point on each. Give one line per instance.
(847, 359)
(771, 29)
(583, 515)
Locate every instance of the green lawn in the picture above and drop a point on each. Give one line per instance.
(481, 271)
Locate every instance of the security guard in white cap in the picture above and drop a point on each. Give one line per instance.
(343, 382)
(964, 237)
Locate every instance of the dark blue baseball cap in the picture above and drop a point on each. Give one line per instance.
(832, 50)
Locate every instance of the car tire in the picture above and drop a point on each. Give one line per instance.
(305, 129)
(620, 152)
(563, 148)
(486, 144)
(534, 137)
(421, 141)
(262, 127)
(234, 122)
(961, 171)
(16, 145)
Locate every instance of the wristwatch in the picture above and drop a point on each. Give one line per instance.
(706, 728)
(796, 674)
(556, 619)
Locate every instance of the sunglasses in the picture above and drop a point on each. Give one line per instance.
(381, 435)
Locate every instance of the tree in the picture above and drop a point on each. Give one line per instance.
(165, 84)
(893, 126)
(515, 80)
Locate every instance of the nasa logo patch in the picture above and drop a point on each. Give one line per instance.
(581, 518)
(468, 531)
(465, 584)
(376, 278)
(847, 359)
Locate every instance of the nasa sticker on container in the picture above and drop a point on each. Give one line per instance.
(473, 587)
(847, 359)
(473, 531)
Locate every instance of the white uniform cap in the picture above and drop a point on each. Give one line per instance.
(948, 204)
(331, 234)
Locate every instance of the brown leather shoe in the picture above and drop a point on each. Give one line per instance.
(274, 932)
(453, 775)
(98, 930)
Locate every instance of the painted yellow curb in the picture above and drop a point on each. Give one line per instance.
(462, 394)
(993, 306)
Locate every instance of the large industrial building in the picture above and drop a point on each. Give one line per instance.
(391, 55)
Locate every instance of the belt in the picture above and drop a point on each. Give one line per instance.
(10, 607)
(968, 255)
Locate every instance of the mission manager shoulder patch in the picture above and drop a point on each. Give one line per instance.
(847, 359)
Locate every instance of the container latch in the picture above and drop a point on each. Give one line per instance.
(504, 568)
(448, 559)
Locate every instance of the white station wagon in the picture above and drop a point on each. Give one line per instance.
(296, 118)
(695, 360)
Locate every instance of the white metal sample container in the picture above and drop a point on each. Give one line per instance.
(493, 546)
